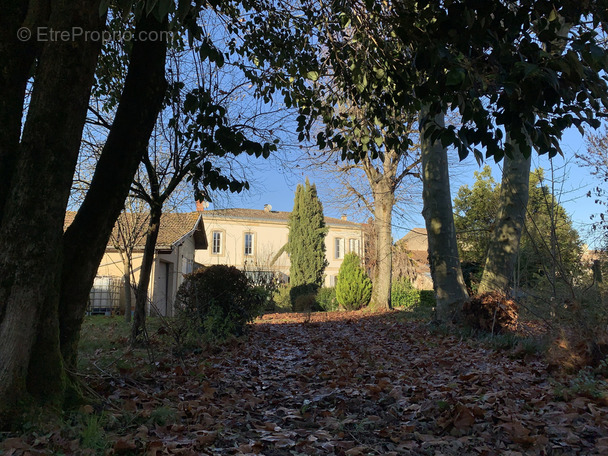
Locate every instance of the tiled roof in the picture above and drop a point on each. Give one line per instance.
(416, 239)
(173, 227)
(263, 215)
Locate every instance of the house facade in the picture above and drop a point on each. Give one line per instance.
(416, 243)
(179, 237)
(252, 240)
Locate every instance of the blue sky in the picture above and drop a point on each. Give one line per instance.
(273, 183)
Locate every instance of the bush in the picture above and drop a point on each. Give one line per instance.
(326, 299)
(307, 289)
(305, 303)
(265, 282)
(216, 302)
(403, 294)
(354, 289)
(281, 299)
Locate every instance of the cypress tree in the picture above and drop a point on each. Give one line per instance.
(306, 243)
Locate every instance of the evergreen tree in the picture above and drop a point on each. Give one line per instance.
(475, 215)
(306, 243)
(354, 289)
(475, 212)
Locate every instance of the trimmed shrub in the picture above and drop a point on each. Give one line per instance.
(326, 299)
(295, 292)
(281, 299)
(216, 302)
(305, 303)
(403, 294)
(354, 289)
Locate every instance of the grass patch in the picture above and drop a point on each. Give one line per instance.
(418, 312)
(93, 434)
(104, 343)
(586, 384)
(99, 332)
(162, 416)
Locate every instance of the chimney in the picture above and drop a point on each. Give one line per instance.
(267, 208)
(344, 217)
(201, 206)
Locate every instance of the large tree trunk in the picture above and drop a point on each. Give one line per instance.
(32, 220)
(504, 246)
(139, 320)
(448, 283)
(384, 200)
(16, 60)
(86, 239)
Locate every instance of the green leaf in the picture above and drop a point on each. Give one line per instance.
(312, 75)
(190, 103)
(150, 5)
(183, 8)
(164, 7)
(553, 15)
(103, 7)
(455, 78)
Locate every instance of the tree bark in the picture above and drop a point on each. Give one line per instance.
(504, 246)
(139, 320)
(31, 227)
(127, 265)
(596, 269)
(86, 239)
(16, 60)
(448, 282)
(384, 200)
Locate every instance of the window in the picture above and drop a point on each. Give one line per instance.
(339, 248)
(187, 265)
(353, 246)
(248, 244)
(216, 248)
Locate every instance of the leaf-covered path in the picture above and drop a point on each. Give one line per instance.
(357, 384)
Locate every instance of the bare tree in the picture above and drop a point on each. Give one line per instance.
(126, 238)
(376, 185)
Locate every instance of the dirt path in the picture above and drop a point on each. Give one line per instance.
(371, 385)
(355, 384)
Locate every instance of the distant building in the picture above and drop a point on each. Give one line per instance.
(252, 239)
(179, 237)
(416, 243)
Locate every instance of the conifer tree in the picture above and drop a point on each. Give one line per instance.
(354, 289)
(306, 243)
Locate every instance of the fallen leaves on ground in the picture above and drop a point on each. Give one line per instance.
(348, 383)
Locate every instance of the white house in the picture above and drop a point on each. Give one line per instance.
(250, 239)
